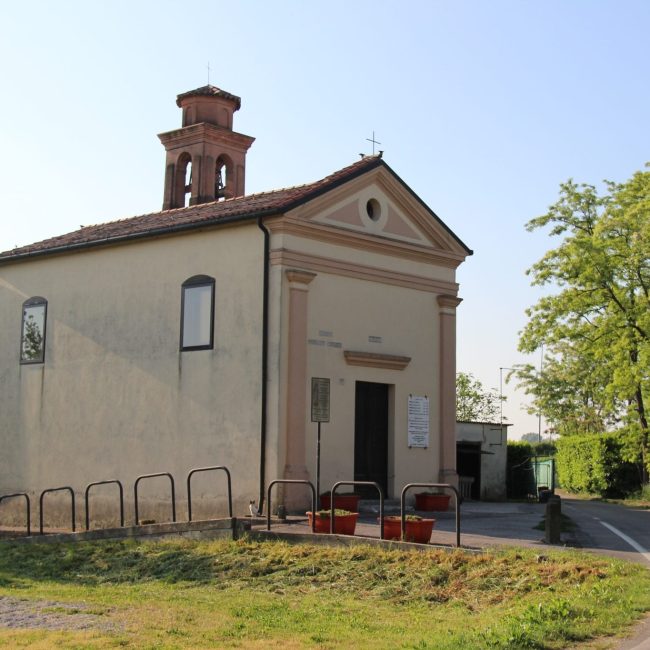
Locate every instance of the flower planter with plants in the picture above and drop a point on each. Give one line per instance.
(417, 529)
(345, 521)
(346, 501)
(432, 501)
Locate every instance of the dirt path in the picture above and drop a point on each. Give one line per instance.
(50, 615)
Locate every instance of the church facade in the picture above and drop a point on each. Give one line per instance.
(217, 331)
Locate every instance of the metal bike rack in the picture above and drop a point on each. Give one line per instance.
(189, 487)
(286, 480)
(119, 484)
(40, 503)
(381, 503)
(444, 486)
(28, 507)
(135, 493)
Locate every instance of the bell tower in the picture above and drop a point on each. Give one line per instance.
(206, 159)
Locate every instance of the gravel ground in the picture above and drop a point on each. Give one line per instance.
(50, 615)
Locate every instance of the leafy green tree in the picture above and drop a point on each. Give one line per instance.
(474, 402)
(596, 327)
(32, 340)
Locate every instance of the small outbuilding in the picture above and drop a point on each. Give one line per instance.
(481, 459)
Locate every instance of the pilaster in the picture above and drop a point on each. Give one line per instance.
(447, 374)
(296, 394)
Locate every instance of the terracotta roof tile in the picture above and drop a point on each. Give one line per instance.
(205, 214)
(209, 91)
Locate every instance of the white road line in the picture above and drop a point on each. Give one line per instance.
(635, 545)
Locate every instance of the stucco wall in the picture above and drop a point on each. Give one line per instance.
(343, 314)
(493, 439)
(115, 397)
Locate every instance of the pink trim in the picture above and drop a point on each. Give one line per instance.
(296, 395)
(447, 471)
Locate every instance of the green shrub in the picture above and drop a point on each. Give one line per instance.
(521, 475)
(594, 463)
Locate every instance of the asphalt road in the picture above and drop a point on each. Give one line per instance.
(611, 529)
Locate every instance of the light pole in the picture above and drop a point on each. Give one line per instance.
(539, 411)
(501, 369)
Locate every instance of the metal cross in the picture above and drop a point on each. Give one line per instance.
(374, 142)
(208, 73)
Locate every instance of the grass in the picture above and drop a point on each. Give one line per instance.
(246, 594)
(640, 499)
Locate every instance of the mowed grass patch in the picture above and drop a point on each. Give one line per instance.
(180, 594)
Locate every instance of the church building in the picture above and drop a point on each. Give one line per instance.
(222, 329)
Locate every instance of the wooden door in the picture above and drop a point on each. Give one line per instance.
(371, 436)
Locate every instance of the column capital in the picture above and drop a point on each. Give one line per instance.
(297, 277)
(448, 303)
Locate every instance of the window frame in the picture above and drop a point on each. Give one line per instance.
(34, 301)
(195, 282)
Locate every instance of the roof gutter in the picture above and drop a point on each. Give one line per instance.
(265, 363)
(148, 234)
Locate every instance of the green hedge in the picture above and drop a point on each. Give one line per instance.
(593, 463)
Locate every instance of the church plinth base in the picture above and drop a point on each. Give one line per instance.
(296, 498)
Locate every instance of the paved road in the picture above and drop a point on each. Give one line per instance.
(611, 529)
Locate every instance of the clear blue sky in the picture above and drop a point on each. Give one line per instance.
(483, 108)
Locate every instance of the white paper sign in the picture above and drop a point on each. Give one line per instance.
(320, 399)
(418, 421)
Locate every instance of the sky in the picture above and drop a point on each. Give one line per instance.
(482, 108)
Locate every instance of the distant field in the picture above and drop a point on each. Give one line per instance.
(245, 594)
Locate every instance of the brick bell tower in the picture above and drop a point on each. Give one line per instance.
(206, 159)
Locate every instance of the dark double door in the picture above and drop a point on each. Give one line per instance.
(371, 437)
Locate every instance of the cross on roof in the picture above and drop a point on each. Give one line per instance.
(374, 142)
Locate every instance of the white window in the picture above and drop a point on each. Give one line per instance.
(32, 340)
(197, 313)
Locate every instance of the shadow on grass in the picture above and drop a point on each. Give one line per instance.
(102, 562)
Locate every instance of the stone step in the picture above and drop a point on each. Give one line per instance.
(391, 506)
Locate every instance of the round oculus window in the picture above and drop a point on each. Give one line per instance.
(373, 209)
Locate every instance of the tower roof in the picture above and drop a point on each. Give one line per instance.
(209, 91)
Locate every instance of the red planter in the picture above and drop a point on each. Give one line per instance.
(416, 531)
(430, 502)
(341, 502)
(343, 524)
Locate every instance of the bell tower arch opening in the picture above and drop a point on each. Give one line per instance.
(206, 159)
(223, 173)
(183, 180)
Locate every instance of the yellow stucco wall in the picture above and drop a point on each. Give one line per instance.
(349, 312)
(115, 397)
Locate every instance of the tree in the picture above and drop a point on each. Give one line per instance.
(596, 327)
(474, 402)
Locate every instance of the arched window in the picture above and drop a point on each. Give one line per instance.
(182, 181)
(188, 184)
(223, 178)
(197, 313)
(32, 339)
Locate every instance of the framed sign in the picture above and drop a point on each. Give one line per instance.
(418, 421)
(320, 399)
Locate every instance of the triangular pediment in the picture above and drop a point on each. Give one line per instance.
(379, 205)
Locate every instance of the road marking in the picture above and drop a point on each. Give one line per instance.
(635, 545)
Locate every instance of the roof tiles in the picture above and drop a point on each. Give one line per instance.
(196, 216)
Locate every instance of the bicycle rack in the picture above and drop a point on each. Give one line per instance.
(135, 493)
(287, 480)
(119, 484)
(40, 503)
(381, 503)
(189, 488)
(446, 486)
(28, 509)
